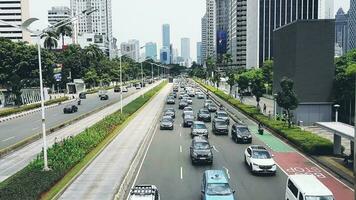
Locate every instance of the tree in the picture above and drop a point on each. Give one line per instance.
(267, 71)
(227, 59)
(216, 78)
(64, 31)
(210, 66)
(231, 79)
(257, 86)
(286, 98)
(50, 40)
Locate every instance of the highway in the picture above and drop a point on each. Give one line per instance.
(16, 130)
(168, 166)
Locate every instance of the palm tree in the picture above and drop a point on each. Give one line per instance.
(64, 31)
(227, 59)
(50, 40)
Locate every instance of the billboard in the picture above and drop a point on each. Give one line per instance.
(57, 71)
(221, 40)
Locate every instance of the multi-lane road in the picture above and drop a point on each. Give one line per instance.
(16, 130)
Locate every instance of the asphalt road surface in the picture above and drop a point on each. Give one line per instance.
(16, 130)
(168, 166)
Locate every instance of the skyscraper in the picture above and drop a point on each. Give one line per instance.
(222, 25)
(352, 25)
(326, 9)
(341, 31)
(165, 52)
(57, 14)
(185, 48)
(211, 28)
(151, 50)
(251, 38)
(199, 53)
(98, 23)
(131, 49)
(204, 39)
(14, 12)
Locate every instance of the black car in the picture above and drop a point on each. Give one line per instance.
(212, 108)
(188, 120)
(82, 95)
(170, 100)
(223, 116)
(166, 123)
(117, 89)
(104, 97)
(70, 109)
(174, 94)
(241, 133)
(220, 127)
(200, 151)
(183, 104)
(204, 115)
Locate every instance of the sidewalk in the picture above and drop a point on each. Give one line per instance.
(17, 160)
(103, 176)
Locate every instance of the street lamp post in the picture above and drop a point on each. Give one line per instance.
(275, 106)
(336, 106)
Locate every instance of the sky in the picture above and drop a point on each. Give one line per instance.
(143, 19)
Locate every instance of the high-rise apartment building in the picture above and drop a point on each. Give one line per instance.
(199, 53)
(204, 39)
(252, 24)
(99, 22)
(131, 49)
(352, 25)
(222, 25)
(185, 48)
(14, 12)
(151, 50)
(211, 29)
(341, 31)
(57, 14)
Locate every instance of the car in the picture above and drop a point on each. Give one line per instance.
(259, 160)
(188, 120)
(82, 95)
(207, 103)
(188, 112)
(198, 128)
(174, 94)
(117, 89)
(220, 114)
(180, 96)
(170, 100)
(170, 113)
(200, 96)
(138, 86)
(215, 186)
(191, 93)
(70, 109)
(204, 115)
(212, 108)
(220, 127)
(142, 192)
(200, 151)
(104, 97)
(188, 108)
(167, 123)
(124, 89)
(175, 89)
(182, 104)
(189, 100)
(241, 133)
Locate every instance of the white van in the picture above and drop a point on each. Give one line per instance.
(306, 187)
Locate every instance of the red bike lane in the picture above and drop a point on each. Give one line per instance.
(294, 163)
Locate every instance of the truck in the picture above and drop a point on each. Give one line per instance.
(144, 192)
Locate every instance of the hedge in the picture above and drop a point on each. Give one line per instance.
(32, 181)
(304, 140)
(23, 108)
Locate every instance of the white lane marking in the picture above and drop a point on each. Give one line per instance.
(180, 148)
(215, 149)
(180, 133)
(227, 172)
(181, 173)
(8, 139)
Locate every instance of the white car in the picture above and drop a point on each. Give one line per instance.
(189, 100)
(141, 192)
(260, 160)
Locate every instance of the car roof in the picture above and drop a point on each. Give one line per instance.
(309, 185)
(215, 176)
(258, 147)
(204, 109)
(199, 122)
(200, 139)
(221, 111)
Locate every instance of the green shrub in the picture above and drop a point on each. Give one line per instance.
(31, 182)
(306, 141)
(23, 108)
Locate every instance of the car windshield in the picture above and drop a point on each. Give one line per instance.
(166, 120)
(261, 155)
(244, 130)
(208, 101)
(218, 189)
(204, 111)
(170, 109)
(212, 105)
(199, 126)
(222, 115)
(319, 198)
(201, 145)
(220, 123)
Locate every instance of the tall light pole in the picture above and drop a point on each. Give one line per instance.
(24, 26)
(275, 106)
(336, 106)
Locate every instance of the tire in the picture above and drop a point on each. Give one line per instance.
(251, 170)
(245, 160)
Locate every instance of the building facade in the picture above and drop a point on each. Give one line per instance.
(98, 23)
(165, 52)
(211, 29)
(204, 39)
(199, 51)
(222, 26)
(341, 32)
(352, 25)
(151, 50)
(185, 48)
(131, 49)
(14, 12)
(57, 14)
(251, 32)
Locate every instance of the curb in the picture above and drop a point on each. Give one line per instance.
(25, 113)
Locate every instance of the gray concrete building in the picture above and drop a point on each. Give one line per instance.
(304, 52)
(342, 31)
(204, 39)
(352, 25)
(57, 14)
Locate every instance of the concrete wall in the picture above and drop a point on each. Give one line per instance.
(310, 113)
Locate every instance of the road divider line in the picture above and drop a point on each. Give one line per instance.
(7, 139)
(227, 172)
(180, 148)
(181, 173)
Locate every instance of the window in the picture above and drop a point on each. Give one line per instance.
(292, 188)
